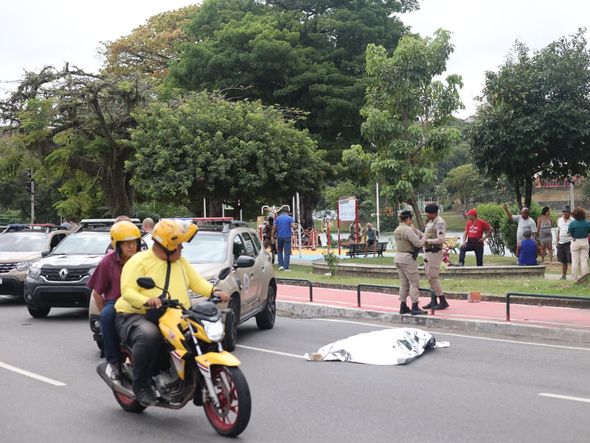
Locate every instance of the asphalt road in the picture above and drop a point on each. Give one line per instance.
(483, 390)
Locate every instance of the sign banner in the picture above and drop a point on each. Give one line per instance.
(347, 209)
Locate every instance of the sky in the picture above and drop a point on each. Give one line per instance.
(36, 33)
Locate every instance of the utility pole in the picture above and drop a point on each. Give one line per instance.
(31, 190)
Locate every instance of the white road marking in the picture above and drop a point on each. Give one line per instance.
(474, 337)
(565, 397)
(285, 354)
(31, 375)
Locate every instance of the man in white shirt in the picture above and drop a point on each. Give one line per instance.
(524, 220)
(564, 240)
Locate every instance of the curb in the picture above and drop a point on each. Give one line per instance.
(559, 303)
(514, 330)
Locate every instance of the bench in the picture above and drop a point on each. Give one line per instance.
(362, 249)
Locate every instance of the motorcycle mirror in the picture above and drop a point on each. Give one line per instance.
(244, 261)
(224, 273)
(146, 282)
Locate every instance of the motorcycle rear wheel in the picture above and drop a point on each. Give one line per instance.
(233, 392)
(129, 404)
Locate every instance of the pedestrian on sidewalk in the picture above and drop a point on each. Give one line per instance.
(564, 240)
(544, 225)
(435, 233)
(282, 228)
(524, 220)
(371, 241)
(526, 250)
(476, 233)
(579, 229)
(408, 241)
(268, 240)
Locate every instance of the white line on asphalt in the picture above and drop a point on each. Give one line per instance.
(565, 397)
(31, 375)
(475, 337)
(286, 354)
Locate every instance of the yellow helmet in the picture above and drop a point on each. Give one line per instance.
(124, 231)
(172, 233)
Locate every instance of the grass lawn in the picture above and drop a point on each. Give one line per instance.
(498, 286)
(455, 221)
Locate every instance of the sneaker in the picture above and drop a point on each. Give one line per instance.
(287, 270)
(281, 268)
(145, 394)
(563, 277)
(113, 371)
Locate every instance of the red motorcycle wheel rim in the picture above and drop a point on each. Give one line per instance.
(225, 419)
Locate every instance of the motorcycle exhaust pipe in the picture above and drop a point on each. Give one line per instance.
(114, 385)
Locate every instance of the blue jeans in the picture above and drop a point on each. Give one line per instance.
(110, 337)
(284, 251)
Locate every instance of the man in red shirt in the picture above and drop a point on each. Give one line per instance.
(476, 233)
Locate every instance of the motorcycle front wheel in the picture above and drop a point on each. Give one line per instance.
(233, 393)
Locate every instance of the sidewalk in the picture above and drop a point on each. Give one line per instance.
(527, 321)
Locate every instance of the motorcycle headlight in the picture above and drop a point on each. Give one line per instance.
(34, 273)
(23, 265)
(214, 330)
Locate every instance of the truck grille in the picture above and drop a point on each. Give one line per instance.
(64, 274)
(7, 267)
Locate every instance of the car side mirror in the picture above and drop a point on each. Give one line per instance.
(45, 253)
(244, 261)
(146, 282)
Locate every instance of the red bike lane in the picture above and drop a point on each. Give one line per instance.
(550, 316)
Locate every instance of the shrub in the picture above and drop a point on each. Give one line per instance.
(332, 260)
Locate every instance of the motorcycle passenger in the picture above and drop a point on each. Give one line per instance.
(137, 324)
(106, 287)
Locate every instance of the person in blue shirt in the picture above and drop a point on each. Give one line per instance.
(526, 250)
(282, 228)
(579, 229)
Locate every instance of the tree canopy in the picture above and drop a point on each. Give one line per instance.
(535, 116)
(206, 146)
(408, 113)
(291, 53)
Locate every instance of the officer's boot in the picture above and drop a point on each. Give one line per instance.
(416, 310)
(403, 308)
(431, 304)
(442, 304)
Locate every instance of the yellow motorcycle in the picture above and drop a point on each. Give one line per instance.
(193, 366)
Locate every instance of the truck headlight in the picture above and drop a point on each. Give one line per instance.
(34, 273)
(214, 330)
(23, 265)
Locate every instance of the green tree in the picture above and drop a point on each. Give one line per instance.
(71, 126)
(535, 116)
(298, 54)
(206, 146)
(148, 50)
(408, 113)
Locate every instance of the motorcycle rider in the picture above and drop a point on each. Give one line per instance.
(105, 283)
(137, 323)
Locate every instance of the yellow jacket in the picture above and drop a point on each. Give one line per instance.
(145, 264)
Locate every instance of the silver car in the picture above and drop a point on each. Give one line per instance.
(253, 289)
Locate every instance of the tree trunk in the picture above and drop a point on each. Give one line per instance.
(119, 191)
(417, 215)
(307, 203)
(518, 194)
(528, 192)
